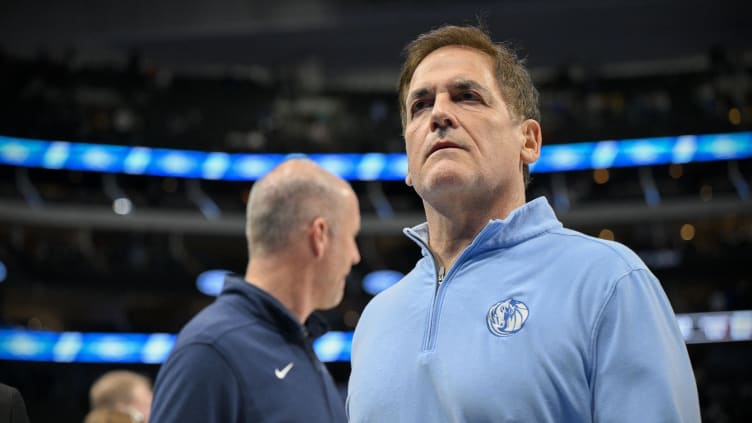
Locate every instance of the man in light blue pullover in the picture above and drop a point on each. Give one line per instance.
(508, 317)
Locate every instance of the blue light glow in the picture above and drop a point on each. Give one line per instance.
(67, 347)
(211, 282)
(333, 346)
(157, 348)
(137, 160)
(56, 155)
(379, 280)
(604, 154)
(359, 167)
(215, 165)
(78, 347)
(684, 149)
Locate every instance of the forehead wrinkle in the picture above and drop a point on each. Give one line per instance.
(466, 84)
(459, 83)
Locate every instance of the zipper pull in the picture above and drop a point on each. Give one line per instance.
(440, 275)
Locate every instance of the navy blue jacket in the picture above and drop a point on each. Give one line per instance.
(246, 359)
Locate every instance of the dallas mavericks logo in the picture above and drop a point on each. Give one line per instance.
(506, 317)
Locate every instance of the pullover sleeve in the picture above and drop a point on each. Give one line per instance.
(196, 384)
(641, 369)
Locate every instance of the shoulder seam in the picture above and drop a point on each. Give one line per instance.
(599, 319)
(222, 356)
(243, 312)
(624, 260)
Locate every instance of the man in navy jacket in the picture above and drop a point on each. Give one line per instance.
(12, 407)
(248, 357)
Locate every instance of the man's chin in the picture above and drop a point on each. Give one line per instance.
(446, 172)
(333, 303)
(444, 183)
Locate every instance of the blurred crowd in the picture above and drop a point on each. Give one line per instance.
(254, 109)
(94, 278)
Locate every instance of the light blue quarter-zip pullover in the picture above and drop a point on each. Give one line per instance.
(532, 323)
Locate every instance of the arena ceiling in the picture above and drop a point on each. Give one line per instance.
(365, 37)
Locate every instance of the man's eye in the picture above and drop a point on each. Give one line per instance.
(418, 106)
(469, 96)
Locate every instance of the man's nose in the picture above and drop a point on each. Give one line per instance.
(441, 114)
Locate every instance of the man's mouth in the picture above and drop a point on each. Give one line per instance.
(441, 145)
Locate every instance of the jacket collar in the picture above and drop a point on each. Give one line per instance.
(524, 223)
(261, 304)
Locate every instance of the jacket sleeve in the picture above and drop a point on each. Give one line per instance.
(18, 408)
(196, 385)
(641, 369)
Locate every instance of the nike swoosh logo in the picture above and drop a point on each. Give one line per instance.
(282, 373)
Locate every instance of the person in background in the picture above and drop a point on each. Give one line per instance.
(508, 317)
(12, 407)
(110, 415)
(248, 357)
(124, 391)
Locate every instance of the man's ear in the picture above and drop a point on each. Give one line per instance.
(318, 236)
(532, 141)
(408, 178)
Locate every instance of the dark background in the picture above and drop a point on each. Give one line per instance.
(319, 76)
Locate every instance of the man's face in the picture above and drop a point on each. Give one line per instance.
(341, 253)
(460, 136)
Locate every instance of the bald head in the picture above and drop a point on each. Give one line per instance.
(289, 198)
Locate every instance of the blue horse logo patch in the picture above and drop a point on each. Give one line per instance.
(507, 317)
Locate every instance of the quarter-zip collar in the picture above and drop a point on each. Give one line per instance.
(261, 304)
(523, 223)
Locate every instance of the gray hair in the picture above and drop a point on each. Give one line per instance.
(278, 206)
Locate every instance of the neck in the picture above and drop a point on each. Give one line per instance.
(290, 285)
(453, 227)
